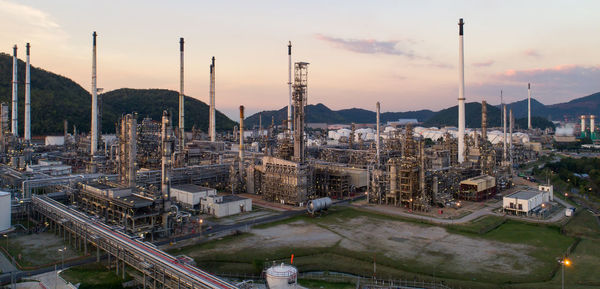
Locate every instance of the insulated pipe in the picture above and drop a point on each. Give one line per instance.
(94, 133)
(289, 110)
(27, 133)
(461, 94)
(15, 118)
(181, 99)
(378, 134)
(529, 106)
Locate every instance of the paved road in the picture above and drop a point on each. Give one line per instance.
(6, 265)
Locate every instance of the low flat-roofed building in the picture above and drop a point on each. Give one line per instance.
(226, 205)
(52, 168)
(526, 202)
(477, 188)
(190, 195)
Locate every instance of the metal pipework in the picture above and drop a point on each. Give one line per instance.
(181, 99)
(15, 118)
(94, 132)
(461, 93)
(27, 133)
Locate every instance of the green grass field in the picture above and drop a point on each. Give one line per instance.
(583, 225)
(93, 276)
(547, 241)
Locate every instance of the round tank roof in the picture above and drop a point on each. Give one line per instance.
(282, 270)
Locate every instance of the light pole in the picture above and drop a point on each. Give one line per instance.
(62, 251)
(6, 236)
(564, 262)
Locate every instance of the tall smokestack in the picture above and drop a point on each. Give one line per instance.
(15, 115)
(289, 110)
(212, 124)
(166, 164)
(510, 135)
(592, 125)
(461, 93)
(241, 150)
(378, 134)
(181, 99)
(529, 106)
(582, 125)
(27, 133)
(94, 132)
(484, 121)
(504, 126)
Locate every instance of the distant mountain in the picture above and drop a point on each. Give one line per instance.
(584, 105)
(55, 98)
(449, 116)
(520, 108)
(319, 113)
(152, 102)
(536, 122)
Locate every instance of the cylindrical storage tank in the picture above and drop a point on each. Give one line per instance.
(282, 277)
(317, 205)
(4, 211)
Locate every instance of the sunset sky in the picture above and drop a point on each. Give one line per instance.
(401, 53)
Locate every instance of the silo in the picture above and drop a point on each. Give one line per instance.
(4, 211)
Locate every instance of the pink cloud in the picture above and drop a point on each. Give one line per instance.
(532, 53)
(484, 63)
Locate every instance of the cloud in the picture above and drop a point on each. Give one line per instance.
(549, 85)
(19, 21)
(484, 64)
(369, 46)
(532, 53)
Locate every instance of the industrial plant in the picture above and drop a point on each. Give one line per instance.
(154, 180)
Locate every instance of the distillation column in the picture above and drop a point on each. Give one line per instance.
(299, 95)
(289, 109)
(529, 106)
(378, 135)
(166, 165)
(484, 121)
(241, 149)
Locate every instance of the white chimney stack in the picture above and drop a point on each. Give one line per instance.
(211, 122)
(94, 132)
(15, 118)
(378, 134)
(529, 106)
(592, 125)
(582, 124)
(181, 99)
(461, 94)
(289, 110)
(27, 133)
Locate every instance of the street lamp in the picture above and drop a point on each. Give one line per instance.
(6, 236)
(62, 254)
(564, 262)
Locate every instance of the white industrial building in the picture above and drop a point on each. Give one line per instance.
(528, 202)
(227, 205)
(189, 195)
(52, 168)
(4, 211)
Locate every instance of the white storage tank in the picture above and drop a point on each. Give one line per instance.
(282, 277)
(4, 211)
(317, 205)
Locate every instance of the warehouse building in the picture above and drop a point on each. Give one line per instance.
(528, 202)
(227, 205)
(189, 196)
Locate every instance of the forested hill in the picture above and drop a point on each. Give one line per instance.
(55, 98)
(152, 102)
